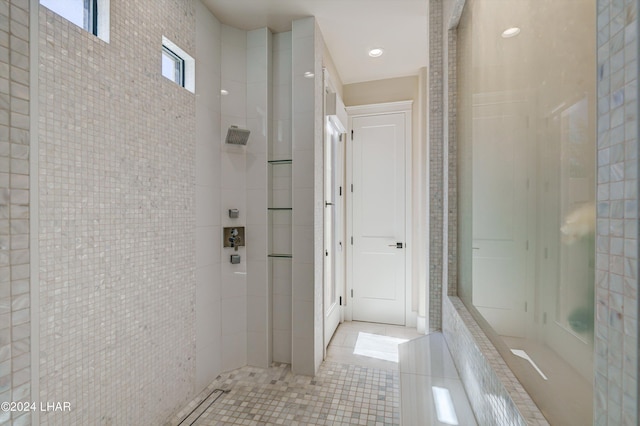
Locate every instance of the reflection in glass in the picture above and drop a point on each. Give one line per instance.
(526, 144)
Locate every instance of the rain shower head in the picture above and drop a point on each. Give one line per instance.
(237, 136)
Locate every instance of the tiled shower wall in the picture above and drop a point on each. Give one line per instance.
(14, 208)
(259, 112)
(233, 183)
(616, 336)
(208, 182)
(280, 268)
(436, 152)
(117, 218)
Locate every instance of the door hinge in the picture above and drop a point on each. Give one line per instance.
(351, 134)
(352, 293)
(352, 240)
(527, 245)
(326, 252)
(340, 300)
(340, 137)
(525, 306)
(351, 187)
(341, 191)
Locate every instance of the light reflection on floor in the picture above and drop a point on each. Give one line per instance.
(378, 346)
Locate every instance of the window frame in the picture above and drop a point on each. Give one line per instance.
(179, 70)
(95, 16)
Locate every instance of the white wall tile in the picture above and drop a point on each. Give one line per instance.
(257, 269)
(281, 148)
(234, 59)
(257, 317)
(208, 245)
(302, 133)
(257, 349)
(208, 153)
(207, 206)
(207, 300)
(282, 100)
(282, 346)
(256, 236)
(233, 284)
(282, 312)
(282, 41)
(233, 175)
(305, 160)
(302, 243)
(256, 165)
(234, 315)
(257, 102)
(208, 359)
(234, 351)
(258, 139)
(257, 61)
(234, 104)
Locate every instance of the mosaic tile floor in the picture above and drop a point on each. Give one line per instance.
(342, 393)
(339, 394)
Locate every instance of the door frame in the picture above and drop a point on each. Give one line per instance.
(334, 115)
(400, 107)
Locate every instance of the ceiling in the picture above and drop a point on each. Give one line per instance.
(349, 27)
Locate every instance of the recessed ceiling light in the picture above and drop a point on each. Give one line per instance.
(224, 92)
(309, 74)
(375, 52)
(510, 32)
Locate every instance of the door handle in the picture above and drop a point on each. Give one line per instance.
(326, 203)
(396, 245)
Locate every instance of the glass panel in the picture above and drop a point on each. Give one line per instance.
(526, 135)
(72, 10)
(330, 212)
(170, 66)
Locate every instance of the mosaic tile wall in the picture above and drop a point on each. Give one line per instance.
(15, 371)
(616, 337)
(496, 396)
(117, 218)
(436, 164)
(452, 143)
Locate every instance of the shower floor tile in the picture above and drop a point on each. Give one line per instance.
(348, 390)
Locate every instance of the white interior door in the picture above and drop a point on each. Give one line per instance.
(500, 220)
(378, 221)
(333, 225)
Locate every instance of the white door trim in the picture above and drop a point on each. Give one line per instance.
(402, 107)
